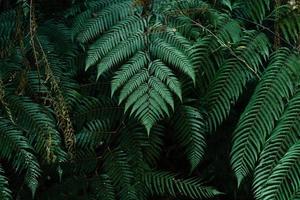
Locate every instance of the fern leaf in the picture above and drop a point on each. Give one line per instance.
(147, 88)
(122, 52)
(171, 55)
(254, 10)
(104, 19)
(16, 149)
(264, 109)
(117, 167)
(134, 65)
(290, 26)
(282, 138)
(112, 38)
(284, 179)
(5, 192)
(105, 188)
(172, 36)
(94, 134)
(189, 125)
(40, 128)
(163, 183)
(231, 78)
(163, 73)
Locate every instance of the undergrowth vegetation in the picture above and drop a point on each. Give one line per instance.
(149, 99)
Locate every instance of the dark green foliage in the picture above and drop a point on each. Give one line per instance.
(5, 192)
(137, 100)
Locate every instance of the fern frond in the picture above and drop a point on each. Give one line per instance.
(90, 108)
(15, 148)
(254, 10)
(5, 192)
(147, 88)
(264, 109)
(173, 37)
(285, 177)
(289, 25)
(231, 78)
(190, 126)
(123, 51)
(171, 55)
(162, 183)
(103, 20)
(104, 188)
(113, 37)
(163, 73)
(282, 138)
(94, 134)
(134, 65)
(40, 128)
(208, 52)
(119, 170)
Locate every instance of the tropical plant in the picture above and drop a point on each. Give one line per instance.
(149, 99)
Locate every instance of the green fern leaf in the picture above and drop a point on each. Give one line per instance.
(282, 138)
(94, 134)
(118, 168)
(163, 183)
(15, 148)
(105, 188)
(5, 192)
(104, 19)
(254, 10)
(122, 52)
(284, 179)
(110, 40)
(39, 126)
(264, 109)
(171, 55)
(231, 78)
(190, 126)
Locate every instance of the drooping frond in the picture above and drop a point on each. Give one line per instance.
(90, 108)
(190, 127)
(284, 180)
(167, 183)
(5, 192)
(15, 148)
(231, 78)
(253, 10)
(264, 109)
(119, 170)
(282, 138)
(39, 126)
(289, 25)
(94, 134)
(105, 188)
